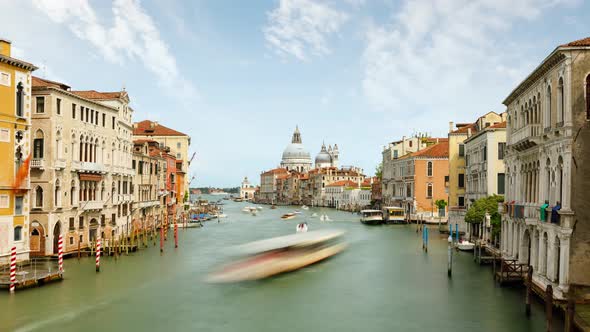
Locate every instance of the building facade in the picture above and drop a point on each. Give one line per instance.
(81, 170)
(148, 185)
(545, 221)
(15, 147)
(247, 189)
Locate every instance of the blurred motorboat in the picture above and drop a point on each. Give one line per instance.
(301, 228)
(288, 216)
(265, 258)
(304, 207)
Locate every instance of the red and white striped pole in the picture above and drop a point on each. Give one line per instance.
(60, 254)
(98, 255)
(12, 269)
(175, 235)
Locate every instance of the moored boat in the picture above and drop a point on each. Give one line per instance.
(465, 245)
(394, 215)
(288, 216)
(265, 258)
(371, 217)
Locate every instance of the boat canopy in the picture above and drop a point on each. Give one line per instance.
(368, 212)
(299, 239)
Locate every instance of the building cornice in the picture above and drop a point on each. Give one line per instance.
(17, 63)
(69, 94)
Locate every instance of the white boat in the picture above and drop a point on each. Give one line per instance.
(246, 209)
(314, 215)
(324, 217)
(254, 212)
(223, 215)
(192, 224)
(304, 207)
(297, 212)
(265, 258)
(465, 245)
(259, 207)
(301, 228)
(372, 217)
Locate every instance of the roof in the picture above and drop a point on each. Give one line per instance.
(343, 183)
(283, 176)
(498, 125)
(151, 128)
(41, 82)
(464, 128)
(275, 171)
(440, 150)
(17, 63)
(93, 94)
(577, 43)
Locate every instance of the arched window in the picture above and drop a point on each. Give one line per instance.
(57, 194)
(560, 102)
(19, 99)
(39, 197)
(38, 145)
(588, 97)
(72, 192)
(18, 233)
(429, 168)
(58, 145)
(548, 108)
(429, 191)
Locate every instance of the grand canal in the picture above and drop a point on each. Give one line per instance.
(382, 282)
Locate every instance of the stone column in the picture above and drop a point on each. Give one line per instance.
(542, 255)
(551, 254)
(567, 178)
(564, 261)
(534, 250)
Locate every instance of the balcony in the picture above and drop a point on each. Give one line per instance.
(38, 163)
(146, 204)
(88, 167)
(59, 164)
(525, 137)
(91, 205)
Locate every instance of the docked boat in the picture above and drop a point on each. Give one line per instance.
(288, 216)
(465, 245)
(191, 224)
(371, 217)
(394, 215)
(265, 258)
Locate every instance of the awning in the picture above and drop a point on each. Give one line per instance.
(90, 177)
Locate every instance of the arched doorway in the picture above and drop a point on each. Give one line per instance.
(93, 227)
(556, 258)
(525, 248)
(56, 233)
(37, 240)
(543, 255)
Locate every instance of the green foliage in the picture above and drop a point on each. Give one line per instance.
(477, 211)
(441, 204)
(379, 170)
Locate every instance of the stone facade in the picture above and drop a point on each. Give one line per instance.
(81, 168)
(546, 161)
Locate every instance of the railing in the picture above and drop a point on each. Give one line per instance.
(38, 163)
(88, 166)
(518, 211)
(60, 164)
(92, 205)
(532, 211)
(531, 130)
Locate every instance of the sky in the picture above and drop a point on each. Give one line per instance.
(238, 76)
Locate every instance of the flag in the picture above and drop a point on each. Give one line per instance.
(21, 174)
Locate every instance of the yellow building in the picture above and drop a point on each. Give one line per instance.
(15, 147)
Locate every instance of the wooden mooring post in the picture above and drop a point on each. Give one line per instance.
(527, 296)
(569, 313)
(549, 306)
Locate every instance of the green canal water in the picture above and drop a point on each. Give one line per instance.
(382, 282)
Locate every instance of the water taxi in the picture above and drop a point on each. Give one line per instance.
(394, 215)
(288, 216)
(265, 258)
(371, 217)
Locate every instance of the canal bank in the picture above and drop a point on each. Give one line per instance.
(382, 282)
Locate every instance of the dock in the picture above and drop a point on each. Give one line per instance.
(32, 273)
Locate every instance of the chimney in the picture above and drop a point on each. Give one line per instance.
(155, 123)
(437, 140)
(135, 125)
(451, 124)
(469, 132)
(152, 125)
(5, 47)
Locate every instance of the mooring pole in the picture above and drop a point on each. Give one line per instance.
(549, 306)
(527, 298)
(450, 256)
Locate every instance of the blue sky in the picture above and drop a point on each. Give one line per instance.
(237, 76)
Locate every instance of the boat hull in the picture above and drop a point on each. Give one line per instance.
(372, 221)
(273, 266)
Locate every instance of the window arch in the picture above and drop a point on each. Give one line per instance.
(429, 168)
(38, 143)
(429, 191)
(57, 194)
(548, 108)
(18, 233)
(39, 197)
(19, 99)
(72, 192)
(560, 102)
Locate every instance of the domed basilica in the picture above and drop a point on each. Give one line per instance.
(296, 158)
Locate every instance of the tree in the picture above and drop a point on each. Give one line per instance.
(440, 205)
(379, 171)
(477, 212)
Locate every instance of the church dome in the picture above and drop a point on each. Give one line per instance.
(295, 151)
(295, 156)
(323, 157)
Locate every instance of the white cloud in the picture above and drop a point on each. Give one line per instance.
(133, 35)
(439, 56)
(300, 27)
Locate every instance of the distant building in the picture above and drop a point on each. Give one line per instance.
(295, 157)
(247, 190)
